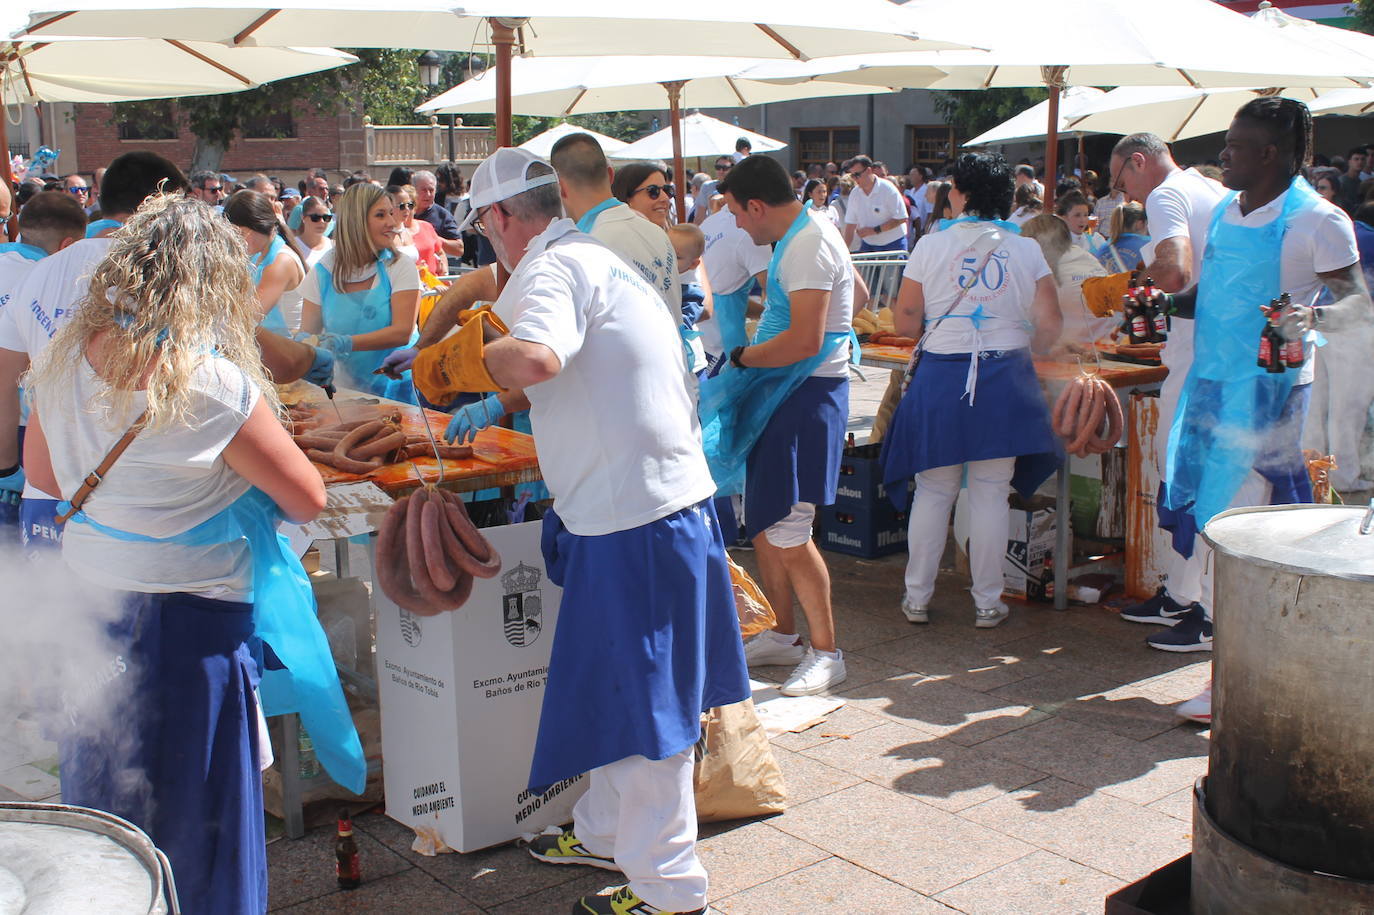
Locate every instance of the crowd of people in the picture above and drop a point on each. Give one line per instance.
(152, 311)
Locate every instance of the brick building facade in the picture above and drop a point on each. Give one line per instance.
(332, 142)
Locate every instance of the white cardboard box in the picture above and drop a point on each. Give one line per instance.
(1028, 567)
(460, 696)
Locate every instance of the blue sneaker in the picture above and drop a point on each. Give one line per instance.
(1192, 632)
(1160, 610)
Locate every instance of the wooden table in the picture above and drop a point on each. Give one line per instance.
(1124, 377)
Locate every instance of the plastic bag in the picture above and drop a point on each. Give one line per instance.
(755, 613)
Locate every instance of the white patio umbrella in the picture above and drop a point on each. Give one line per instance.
(572, 85)
(1180, 113)
(121, 70)
(1191, 43)
(542, 144)
(702, 135)
(780, 29)
(1030, 124)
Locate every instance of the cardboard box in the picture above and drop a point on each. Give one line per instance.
(460, 697)
(1028, 567)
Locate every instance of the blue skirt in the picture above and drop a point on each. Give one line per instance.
(936, 426)
(647, 640)
(165, 734)
(797, 458)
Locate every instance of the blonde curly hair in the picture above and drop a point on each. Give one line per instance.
(173, 289)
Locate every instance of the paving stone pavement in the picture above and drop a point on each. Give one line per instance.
(1030, 770)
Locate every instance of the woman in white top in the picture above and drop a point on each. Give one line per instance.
(310, 241)
(1027, 203)
(980, 298)
(817, 197)
(1071, 265)
(182, 529)
(362, 297)
(277, 271)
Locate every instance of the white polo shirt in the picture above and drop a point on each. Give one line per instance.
(617, 431)
(731, 260)
(872, 209)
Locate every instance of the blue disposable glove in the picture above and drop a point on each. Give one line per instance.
(322, 369)
(338, 344)
(399, 361)
(301, 336)
(473, 418)
(14, 482)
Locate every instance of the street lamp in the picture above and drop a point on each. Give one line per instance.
(431, 69)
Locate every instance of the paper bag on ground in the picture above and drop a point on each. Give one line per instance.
(738, 776)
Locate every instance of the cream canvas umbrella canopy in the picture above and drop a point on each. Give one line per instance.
(780, 29)
(1182, 43)
(542, 144)
(562, 86)
(1180, 113)
(1030, 124)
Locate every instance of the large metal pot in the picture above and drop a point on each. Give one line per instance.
(61, 860)
(1292, 730)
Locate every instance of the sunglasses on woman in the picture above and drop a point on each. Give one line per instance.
(405, 206)
(653, 190)
(319, 217)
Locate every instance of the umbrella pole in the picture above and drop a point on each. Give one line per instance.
(679, 168)
(12, 227)
(502, 39)
(1052, 149)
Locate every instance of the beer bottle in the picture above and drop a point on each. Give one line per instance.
(1140, 327)
(1293, 355)
(1265, 357)
(346, 854)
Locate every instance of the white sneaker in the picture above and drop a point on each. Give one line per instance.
(770, 648)
(1198, 708)
(990, 617)
(915, 613)
(817, 672)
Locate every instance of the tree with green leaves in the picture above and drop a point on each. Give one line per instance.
(972, 111)
(384, 84)
(1362, 15)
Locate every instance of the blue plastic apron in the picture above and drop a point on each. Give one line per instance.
(728, 311)
(284, 619)
(274, 319)
(737, 403)
(361, 312)
(1229, 405)
(588, 220)
(100, 225)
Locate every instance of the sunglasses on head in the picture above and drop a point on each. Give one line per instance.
(653, 190)
(319, 217)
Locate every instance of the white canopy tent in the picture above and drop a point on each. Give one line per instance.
(542, 144)
(1030, 124)
(702, 135)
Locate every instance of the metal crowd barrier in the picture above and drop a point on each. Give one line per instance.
(882, 272)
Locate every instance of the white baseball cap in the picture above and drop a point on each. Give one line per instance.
(501, 176)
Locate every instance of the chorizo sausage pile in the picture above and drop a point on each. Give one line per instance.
(364, 445)
(429, 552)
(884, 338)
(1087, 415)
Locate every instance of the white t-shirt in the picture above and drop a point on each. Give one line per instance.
(167, 482)
(402, 272)
(1080, 325)
(1181, 207)
(644, 246)
(44, 301)
(731, 260)
(816, 258)
(311, 256)
(1318, 240)
(872, 209)
(13, 268)
(616, 428)
(1005, 287)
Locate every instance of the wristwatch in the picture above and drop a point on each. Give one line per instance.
(734, 357)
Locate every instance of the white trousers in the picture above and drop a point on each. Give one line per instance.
(1197, 570)
(936, 489)
(642, 812)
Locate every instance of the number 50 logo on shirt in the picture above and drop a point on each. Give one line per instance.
(981, 285)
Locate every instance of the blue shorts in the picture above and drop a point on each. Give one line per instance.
(898, 245)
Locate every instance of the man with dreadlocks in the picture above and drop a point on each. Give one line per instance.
(1235, 438)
